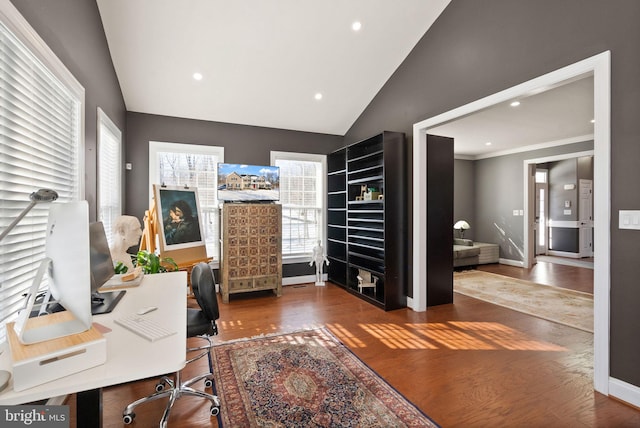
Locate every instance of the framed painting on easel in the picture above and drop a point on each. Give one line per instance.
(179, 223)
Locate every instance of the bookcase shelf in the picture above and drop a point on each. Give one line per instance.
(370, 235)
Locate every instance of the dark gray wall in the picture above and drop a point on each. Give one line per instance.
(561, 173)
(477, 48)
(499, 186)
(567, 171)
(464, 194)
(73, 31)
(242, 144)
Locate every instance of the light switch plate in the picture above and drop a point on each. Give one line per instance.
(629, 219)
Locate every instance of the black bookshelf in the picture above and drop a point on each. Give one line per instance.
(369, 232)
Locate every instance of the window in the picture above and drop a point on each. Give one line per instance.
(109, 173)
(41, 146)
(302, 195)
(175, 164)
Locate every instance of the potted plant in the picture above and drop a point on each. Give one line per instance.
(152, 263)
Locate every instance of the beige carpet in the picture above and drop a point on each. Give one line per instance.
(568, 307)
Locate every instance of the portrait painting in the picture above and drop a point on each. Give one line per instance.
(179, 221)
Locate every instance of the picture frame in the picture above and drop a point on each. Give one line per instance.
(179, 219)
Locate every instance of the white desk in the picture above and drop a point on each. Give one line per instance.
(129, 356)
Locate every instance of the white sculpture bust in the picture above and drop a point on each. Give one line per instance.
(126, 233)
(318, 257)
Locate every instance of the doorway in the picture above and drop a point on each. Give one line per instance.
(536, 186)
(599, 67)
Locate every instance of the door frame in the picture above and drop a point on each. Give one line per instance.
(600, 67)
(529, 201)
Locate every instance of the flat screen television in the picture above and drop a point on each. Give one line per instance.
(248, 183)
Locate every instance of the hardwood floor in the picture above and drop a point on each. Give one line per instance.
(469, 364)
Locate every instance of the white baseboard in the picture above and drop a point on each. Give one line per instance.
(563, 254)
(305, 279)
(509, 262)
(624, 391)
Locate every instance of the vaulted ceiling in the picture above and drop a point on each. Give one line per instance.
(265, 63)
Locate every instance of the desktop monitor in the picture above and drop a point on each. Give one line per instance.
(101, 271)
(68, 264)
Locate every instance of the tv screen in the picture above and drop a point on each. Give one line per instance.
(248, 183)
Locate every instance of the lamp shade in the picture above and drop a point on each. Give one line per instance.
(461, 225)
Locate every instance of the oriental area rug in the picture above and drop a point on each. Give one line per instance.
(305, 379)
(568, 307)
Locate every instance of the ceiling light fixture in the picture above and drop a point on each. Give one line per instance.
(318, 96)
(488, 143)
(356, 26)
(593, 121)
(197, 76)
(515, 104)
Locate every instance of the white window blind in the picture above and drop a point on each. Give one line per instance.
(40, 147)
(302, 195)
(109, 173)
(176, 164)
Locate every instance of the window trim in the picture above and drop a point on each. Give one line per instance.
(309, 157)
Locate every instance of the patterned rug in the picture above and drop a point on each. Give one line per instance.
(568, 307)
(305, 379)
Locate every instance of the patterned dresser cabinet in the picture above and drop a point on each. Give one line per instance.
(251, 250)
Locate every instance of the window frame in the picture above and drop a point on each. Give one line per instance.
(322, 197)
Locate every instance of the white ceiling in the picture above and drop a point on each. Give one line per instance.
(262, 60)
(556, 116)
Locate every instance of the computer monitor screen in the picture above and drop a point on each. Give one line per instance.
(67, 259)
(101, 271)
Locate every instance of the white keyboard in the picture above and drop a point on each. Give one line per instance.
(144, 327)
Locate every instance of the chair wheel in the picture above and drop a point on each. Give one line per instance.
(160, 387)
(214, 410)
(208, 383)
(128, 419)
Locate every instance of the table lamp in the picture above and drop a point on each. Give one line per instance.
(42, 195)
(461, 226)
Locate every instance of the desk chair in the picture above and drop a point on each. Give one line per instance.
(201, 323)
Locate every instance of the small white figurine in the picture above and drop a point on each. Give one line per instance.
(318, 257)
(126, 233)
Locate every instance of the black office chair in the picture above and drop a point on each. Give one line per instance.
(201, 323)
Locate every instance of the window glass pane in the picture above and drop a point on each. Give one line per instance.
(302, 199)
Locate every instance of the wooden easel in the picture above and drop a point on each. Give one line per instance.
(186, 258)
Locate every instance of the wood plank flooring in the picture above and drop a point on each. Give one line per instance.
(469, 364)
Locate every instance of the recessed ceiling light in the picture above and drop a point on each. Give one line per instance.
(318, 96)
(515, 104)
(593, 121)
(356, 26)
(488, 143)
(197, 76)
